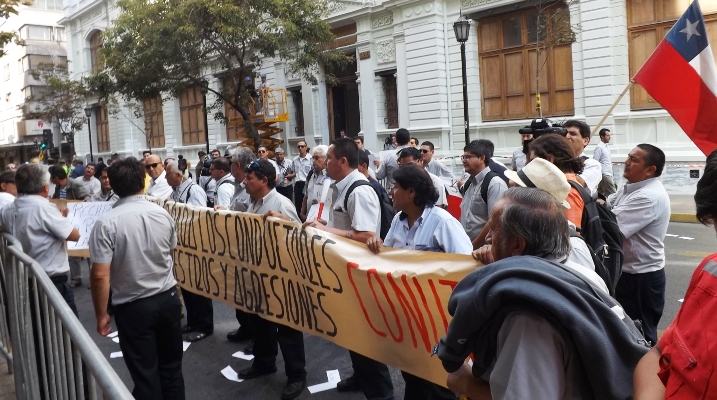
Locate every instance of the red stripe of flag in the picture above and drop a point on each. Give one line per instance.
(673, 83)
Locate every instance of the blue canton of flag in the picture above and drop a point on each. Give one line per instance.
(688, 36)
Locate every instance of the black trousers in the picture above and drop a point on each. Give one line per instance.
(267, 335)
(421, 389)
(150, 333)
(299, 195)
(200, 313)
(244, 319)
(286, 191)
(373, 377)
(642, 296)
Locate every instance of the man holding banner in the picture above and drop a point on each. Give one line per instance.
(260, 182)
(420, 225)
(360, 222)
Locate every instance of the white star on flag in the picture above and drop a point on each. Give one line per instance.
(691, 29)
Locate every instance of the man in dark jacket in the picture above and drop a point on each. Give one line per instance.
(537, 327)
(66, 189)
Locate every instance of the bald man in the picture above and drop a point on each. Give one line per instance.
(158, 185)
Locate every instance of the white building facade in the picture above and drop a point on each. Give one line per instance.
(407, 73)
(44, 38)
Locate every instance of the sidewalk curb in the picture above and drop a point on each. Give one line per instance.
(682, 217)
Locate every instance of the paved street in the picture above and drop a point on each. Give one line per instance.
(204, 360)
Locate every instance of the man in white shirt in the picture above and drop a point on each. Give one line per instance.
(360, 221)
(158, 186)
(315, 181)
(264, 155)
(301, 167)
(220, 169)
(518, 161)
(602, 155)
(412, 155)
(8, 190)
(88, 180)
(285, 181)
(579, 137)
(642, 208)
(106, 193)
(433, 166)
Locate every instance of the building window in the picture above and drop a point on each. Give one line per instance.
(154, 122)
(298, 99)
(391, 93)
(509, 65)
(49, 5)
(95, 52)
(191, 108)
(59, 34)
(103, 129)
(648, 21)
(35, 32)
(235, 123)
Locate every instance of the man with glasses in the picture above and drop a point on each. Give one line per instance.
(265, 200)
(263, 152)
(433, 166)
(316, 181)
(302, 166)
(359, 142)
(220, 169)
(158, 186)
(475, 210)
(411, 155)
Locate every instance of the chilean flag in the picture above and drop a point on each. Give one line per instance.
(680, 74)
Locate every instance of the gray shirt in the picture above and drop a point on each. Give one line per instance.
(92, 185)
(111, 196)
(41, 229)
(602, 155)
(137, 238)
(643, 214)
(518, 161)
(474, 211)
(388, 165)
(364, 210)
(285, 168)
(241, 199)
(314, 188)
(190, 193)
(302, 166)
(439, 169)
(276, 202)
(534, 361)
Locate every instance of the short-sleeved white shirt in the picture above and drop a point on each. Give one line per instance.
(225, 191)
(92, 185)
(6, 199)
(364, 209)
(274, 201)
(137, 238)
(159, 187)
(302, 166)
(41, 229)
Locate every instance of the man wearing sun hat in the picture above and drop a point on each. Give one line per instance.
(542, 174)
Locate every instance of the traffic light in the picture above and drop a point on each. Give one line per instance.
(46, 139)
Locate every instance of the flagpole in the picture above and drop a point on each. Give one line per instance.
(595, 129)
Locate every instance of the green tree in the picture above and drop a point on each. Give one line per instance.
(60, 99)
(165, 46)
(7, 8)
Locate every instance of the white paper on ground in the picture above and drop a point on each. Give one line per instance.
(230, 374)
(243, 356)
(115, 339)
(185, 345)
(113, 334)
(333, 377)
(116, 354)
(681, 300)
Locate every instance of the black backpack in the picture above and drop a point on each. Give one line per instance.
(210, 202)
(387, 211)
(601, 233)
(483, 186)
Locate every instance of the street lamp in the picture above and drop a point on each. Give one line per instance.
(204, 88)
(88, 114)
(462, 28)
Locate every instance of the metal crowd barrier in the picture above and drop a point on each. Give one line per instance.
(67, 364)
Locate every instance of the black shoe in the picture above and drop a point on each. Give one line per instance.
(240, 335)
(250, 348)
(349, 384)
(251, 372)
(293, 390)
